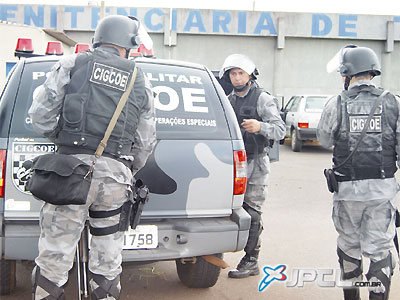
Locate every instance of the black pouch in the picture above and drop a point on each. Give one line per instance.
(59, 179)
(397, 219)
(331, 180)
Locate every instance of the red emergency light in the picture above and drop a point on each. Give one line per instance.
(142, 51)
(24, 45)
(81, 47)
(54, 48)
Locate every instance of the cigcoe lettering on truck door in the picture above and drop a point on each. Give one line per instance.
(194, 147)
(24, 142)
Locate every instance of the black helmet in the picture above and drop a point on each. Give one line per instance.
(352, 60)
(117, 30)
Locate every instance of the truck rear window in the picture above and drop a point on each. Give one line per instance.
(315, 104)
(187, 104)
(33, 75)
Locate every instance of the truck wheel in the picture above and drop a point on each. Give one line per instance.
(7, 276)
(296, 142)
(200, 274)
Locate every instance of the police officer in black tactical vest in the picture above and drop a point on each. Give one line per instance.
(261, 125)
(364, 164)
(73, 109)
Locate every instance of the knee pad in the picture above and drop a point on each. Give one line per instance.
(343, 259)
(376, 270)
(253, 242)
(254, 214)
(54, 292)
(101, 287)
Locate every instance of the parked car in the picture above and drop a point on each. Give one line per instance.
(301, 115)
(196, 174)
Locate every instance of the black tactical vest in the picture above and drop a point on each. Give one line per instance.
(375, 158)
(246, 108)
(98, 81)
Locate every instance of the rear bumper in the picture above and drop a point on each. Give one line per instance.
(176, 238)
(307, 134)
(192, 237)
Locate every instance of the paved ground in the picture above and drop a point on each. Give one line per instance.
(298, 233)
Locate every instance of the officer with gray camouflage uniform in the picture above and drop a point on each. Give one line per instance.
(73, 109)
(260, 123)
(364, 205)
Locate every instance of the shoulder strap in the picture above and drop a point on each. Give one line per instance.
(114, 118)
(366, 126)
(339, 117)
(259, 90)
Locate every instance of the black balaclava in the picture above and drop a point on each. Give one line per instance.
(241, 88)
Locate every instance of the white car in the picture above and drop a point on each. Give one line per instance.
(301, 115)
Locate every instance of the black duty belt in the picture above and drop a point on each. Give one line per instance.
(81, 150)
(365, 173)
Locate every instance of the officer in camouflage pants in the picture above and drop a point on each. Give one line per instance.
(72, 80)
(61, 228)
(364, 205)
(260, 123)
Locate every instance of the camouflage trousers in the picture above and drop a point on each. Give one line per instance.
(255, 196)
(61, 228)
(365, 228)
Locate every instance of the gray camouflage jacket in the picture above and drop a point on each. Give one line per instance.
(45, 111)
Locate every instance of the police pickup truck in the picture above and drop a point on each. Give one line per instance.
(196, 174)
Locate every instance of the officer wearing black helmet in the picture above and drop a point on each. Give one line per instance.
(260, 123)
(365, 160)
(73, 108)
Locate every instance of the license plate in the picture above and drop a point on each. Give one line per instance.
(143, 237)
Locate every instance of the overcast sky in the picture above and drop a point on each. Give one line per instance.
(374, 7)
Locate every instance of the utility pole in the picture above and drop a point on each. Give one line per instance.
(102, 10)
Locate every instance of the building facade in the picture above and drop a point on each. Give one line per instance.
(290, 49)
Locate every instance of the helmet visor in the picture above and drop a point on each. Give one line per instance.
(334, 64)
(337, 60)
(144, 38)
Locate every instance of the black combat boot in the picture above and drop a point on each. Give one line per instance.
(48, 289)
(351, 294)
(376, 296)
(248, 266)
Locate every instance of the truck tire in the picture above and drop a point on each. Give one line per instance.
(200, 274)
(7, 276)
(296, 143)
